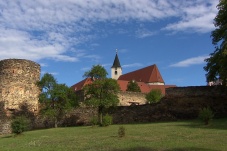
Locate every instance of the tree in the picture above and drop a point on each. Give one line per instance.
(217, 63)
(102, 92)
(55, 99)
(133, 86)
(96, 72)
(154, 96)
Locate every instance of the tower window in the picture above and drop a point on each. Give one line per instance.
(115, 72)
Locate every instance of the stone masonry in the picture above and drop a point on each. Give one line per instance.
(131, 98)
(18, 78)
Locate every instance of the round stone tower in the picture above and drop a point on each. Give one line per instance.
(18, 78)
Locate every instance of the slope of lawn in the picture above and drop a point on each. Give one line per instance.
(162, 136)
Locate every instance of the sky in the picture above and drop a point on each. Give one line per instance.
(68, 37)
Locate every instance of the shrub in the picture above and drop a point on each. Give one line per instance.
(20, 124)
(121, 131)
(206, 114)
(133, 87)
(154, 96)
(94, 121)
(107, 120)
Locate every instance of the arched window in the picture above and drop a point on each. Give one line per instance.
(115, 72)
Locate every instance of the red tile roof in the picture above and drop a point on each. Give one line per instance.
(148, 74)
(142, 76)
(145, 88)
(79, 86)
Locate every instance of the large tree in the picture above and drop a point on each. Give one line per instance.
(217, 63)
(96, 72)
(133, 87)
(102, 92)
(55, 99)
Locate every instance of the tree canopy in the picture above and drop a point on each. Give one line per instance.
(96, 72)
(216, 67)
(55, 99)
(102, 92)
(133, 86)
(154, 96)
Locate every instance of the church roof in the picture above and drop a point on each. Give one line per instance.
(145, 88)
(148, 74)
(79, 86)
(116, 62)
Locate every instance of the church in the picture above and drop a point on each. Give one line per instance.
(147, 78)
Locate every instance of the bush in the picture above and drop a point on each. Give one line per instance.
(121, 131)
(94, 121)
(107, 120)
(20, 124)
(206, 114)
(154, 96)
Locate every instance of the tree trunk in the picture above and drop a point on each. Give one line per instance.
(100, 115)
(55, 123)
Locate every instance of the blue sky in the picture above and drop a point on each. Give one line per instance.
(67, 37)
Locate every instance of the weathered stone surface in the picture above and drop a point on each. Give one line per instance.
(195, 91)
(130, 98)
(18, 78)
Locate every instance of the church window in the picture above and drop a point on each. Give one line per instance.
(115, 72)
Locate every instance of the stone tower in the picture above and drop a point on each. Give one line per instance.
(18, 78)
(116, 70)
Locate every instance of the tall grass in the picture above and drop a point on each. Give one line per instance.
(163, 136)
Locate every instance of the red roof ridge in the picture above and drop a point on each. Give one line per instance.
(79, 86)
(147, 74)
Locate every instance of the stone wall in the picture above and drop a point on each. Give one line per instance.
(186, 102)
(18, 78)
(195, 91)
(131, 98)
(179, 103)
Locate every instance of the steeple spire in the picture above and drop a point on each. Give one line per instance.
(116, 69)
(116, 62)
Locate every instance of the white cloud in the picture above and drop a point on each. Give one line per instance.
(19, 44)
(196, 17)
(143, 33)
(132, 65)
(190, 61)
(51, 28)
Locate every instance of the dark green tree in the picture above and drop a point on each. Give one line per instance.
(102, 93)
(96, 72)
(133, 86)
(55, 99)
(154, 96)
(217, 63)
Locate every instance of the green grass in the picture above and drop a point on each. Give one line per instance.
(163, 136)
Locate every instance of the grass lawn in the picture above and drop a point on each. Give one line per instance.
(162, 136)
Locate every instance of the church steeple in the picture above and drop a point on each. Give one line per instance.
(116, 62)
(116, 69)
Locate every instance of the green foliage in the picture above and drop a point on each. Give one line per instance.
(154, 96)
(20, 124)
(121, 131)
(55, 99)
(217, 63)
(102, 93)
(96, 72)
(107, 120)
(133, 86)
(206, 115)
(94, 120)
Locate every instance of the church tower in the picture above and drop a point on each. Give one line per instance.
(116, 70)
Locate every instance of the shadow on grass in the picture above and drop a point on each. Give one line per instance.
(174, 149)
(220, 124)
(7, 136)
